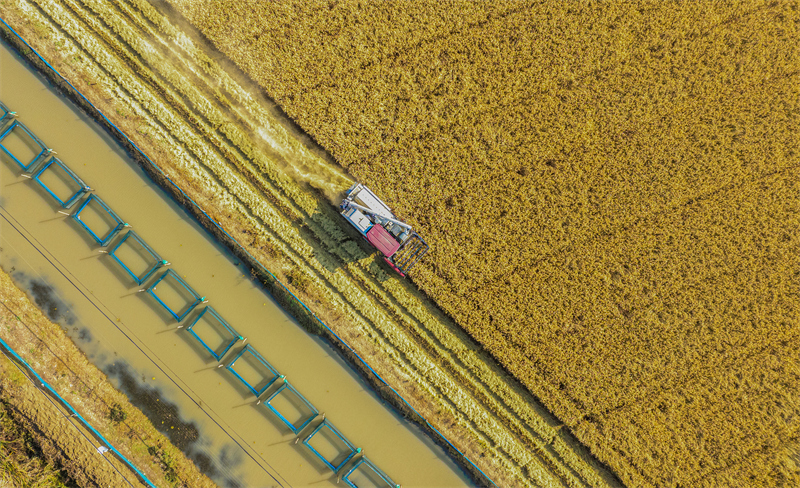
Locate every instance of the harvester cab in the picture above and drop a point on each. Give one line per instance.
(400, 245)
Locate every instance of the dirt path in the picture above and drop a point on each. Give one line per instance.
(229, 150)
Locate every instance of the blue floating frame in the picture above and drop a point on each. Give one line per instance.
(197, 301)
(270, 368)
(353, 449)
(75, 196)
(224, 324)
(103, 241)
(385, 477)
(157, 261)
(26, 167)
(287, 386)
(4, 114)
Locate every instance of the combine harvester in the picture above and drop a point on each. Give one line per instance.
(400, 245)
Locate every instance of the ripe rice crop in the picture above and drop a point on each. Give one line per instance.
(610, 193)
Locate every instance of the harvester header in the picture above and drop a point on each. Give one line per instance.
(400, 245)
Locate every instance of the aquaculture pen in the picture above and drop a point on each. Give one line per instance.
(367, 468)
(291, 392)
(209, 313)
(66, 201)
(267, 379)
(43, 150)
(348, 449)
(195, 298)
(154, 262)
(103, 238)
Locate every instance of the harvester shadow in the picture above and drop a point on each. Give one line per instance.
(348, 240)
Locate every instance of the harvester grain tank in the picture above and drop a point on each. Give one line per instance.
(401, 247)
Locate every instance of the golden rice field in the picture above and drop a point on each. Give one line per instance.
(611, 195)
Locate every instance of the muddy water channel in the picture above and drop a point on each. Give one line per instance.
(205, 409)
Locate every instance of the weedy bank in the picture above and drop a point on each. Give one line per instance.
(59, 451)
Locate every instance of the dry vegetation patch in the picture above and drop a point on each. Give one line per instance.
(610, 191)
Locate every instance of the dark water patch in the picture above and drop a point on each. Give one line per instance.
(203, 462)
(166, 417)
(85, 335)
(45, 297)
(162, 413)
(230, 457)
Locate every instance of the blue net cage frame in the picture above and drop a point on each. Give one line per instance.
(151, 290)
(70, 201)
(365, 463)
(157, 261)
(5, 115)
(43, 153)
(104, 240)
(286, 386)
(271, 369)
(327, 424)
(235, 337)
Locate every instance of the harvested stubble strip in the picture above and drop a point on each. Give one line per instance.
(251, 111)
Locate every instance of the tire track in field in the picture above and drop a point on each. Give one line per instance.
(401, 51)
